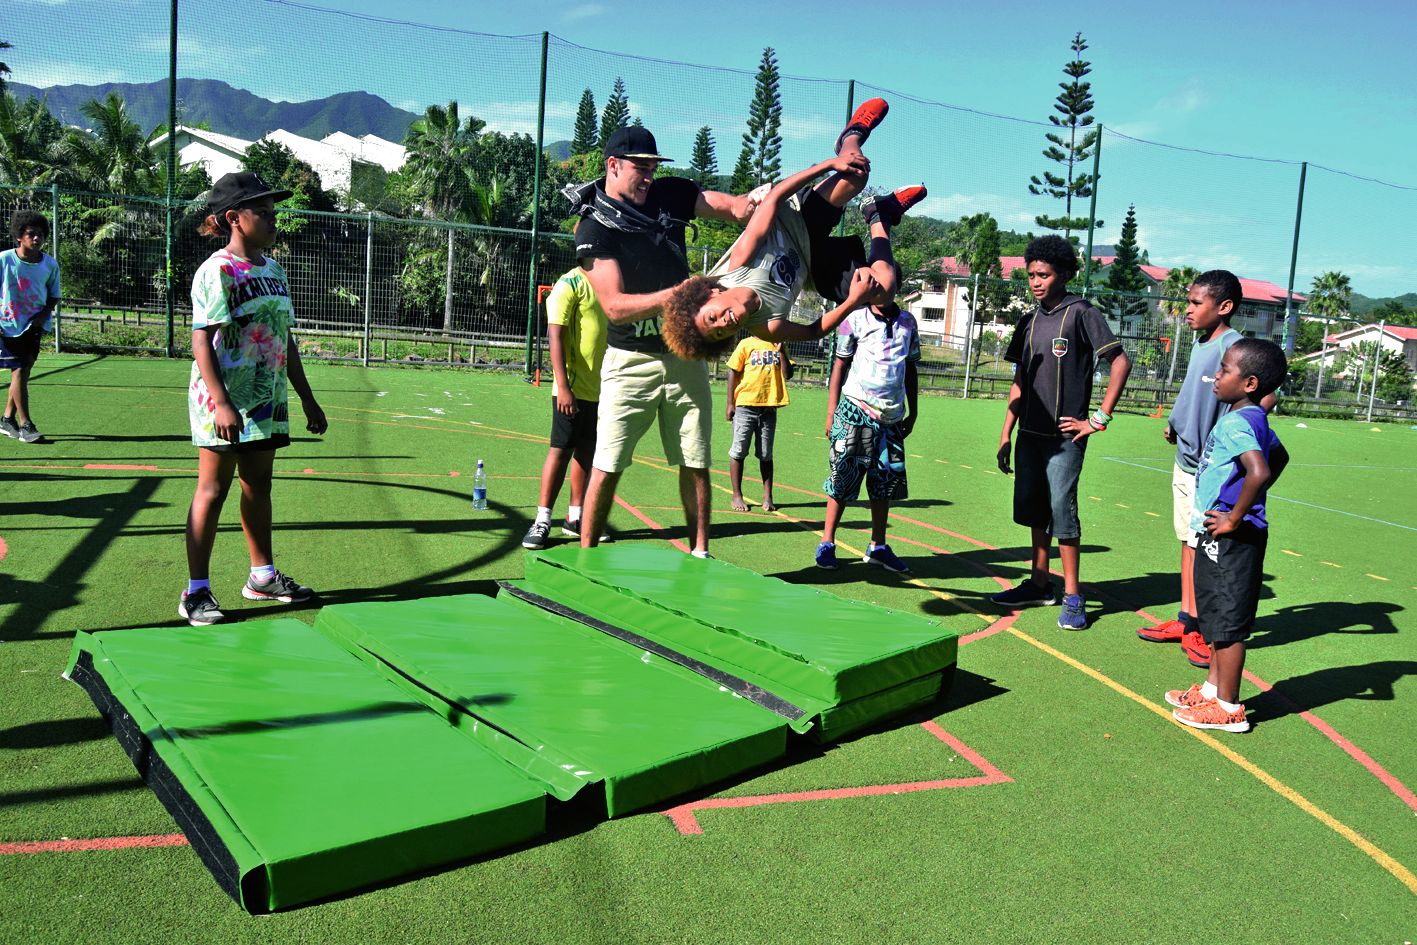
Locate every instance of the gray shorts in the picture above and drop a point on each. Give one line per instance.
(1046, 472)
(748, 421)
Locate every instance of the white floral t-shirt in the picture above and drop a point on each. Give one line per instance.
(249, 305)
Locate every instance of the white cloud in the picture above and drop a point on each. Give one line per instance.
(520, 117)
(584, 11)
(810, 128)
(1011, 212)
(45, 74)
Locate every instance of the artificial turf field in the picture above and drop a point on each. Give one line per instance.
(1052, 800)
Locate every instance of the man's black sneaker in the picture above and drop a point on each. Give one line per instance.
(279, 588)
(200, 608)
(571, 528)
(536, 535)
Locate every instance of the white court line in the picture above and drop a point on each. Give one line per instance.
(1321, 508)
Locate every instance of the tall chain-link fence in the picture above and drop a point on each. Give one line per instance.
(435, 221)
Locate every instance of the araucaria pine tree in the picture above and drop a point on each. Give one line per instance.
(587, 134)
(616, 114)
(1126, 281)
(703, 164)
(760, 159)
(1071, 147)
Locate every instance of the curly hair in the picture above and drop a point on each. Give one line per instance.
(677, 324)
(1056, 252)
(24, 219)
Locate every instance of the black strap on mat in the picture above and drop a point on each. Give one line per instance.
(754, 694)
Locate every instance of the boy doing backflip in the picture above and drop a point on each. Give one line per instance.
(1211, 301)
(1054, 350)
(29, 290)
(786, 246)
(1242, 458)
(758, 373)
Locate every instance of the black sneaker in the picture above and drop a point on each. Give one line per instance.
(200, 608)
(28, 434)
(536, 535)
(1027, 594)
(9, 427)
(571, 528)
(279, 588)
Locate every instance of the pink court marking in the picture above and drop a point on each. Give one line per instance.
(4, 549)
(119, 466)
(98, 843)
(685, 819)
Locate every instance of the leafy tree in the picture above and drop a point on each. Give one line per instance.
(278, 166)
(1331, 295)
(760, 160)
(974, 241)
(1395, 313)
(441, 149)
(1173, 304)
(616, 114)
(587, 134)
(29, 138)
(4, 69)
(114, 157)
(1395, 377)
(1125, 280)
(703, 164)
(1311, 336)
(1071, 147)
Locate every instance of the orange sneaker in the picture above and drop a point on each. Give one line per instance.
(1167, 631)
(1186, 698)
(1196, 649)
(864, 120)
(1212, 714)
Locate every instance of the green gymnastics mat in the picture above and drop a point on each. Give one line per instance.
(843, 664)
(290, 765)
(569, 705)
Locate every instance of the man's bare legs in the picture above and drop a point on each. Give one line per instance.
(600, 493)
(696, 495)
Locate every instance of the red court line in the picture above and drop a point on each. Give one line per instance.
(4, 549)
(651, 523)
(99, 843)
(685, 820)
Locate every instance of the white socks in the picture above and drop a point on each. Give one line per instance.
(543, 515)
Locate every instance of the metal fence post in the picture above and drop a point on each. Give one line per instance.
(969, 334)
(1092, 213)
(1323, 355)
(532, 322)
(171, 172)
(368, 282)
(1291, 317)
(1377, 367)
(448, 287)
(54, 251)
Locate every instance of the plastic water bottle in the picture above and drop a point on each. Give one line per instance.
(479, 488)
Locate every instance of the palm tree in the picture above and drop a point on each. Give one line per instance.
(1331, 295)
(28, 136)
(1173, 303)
(113, 157)
(442, 149)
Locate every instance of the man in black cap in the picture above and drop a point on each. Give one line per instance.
(630, 242)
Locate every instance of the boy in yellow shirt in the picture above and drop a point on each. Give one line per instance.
(758, 372)
(576, 336)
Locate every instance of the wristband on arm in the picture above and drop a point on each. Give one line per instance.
(1099, 419)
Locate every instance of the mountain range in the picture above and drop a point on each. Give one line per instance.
(216, 105)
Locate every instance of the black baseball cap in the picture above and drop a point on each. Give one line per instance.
(633, 141)
(238, 188)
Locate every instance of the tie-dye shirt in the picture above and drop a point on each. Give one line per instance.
(249, 305)
(25, 289)
(879, 349)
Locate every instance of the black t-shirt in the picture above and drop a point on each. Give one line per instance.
(648, 262)
(1057, 350)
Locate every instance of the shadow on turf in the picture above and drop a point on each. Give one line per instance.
(1305, 621)
(1368, 682)
(53, 733)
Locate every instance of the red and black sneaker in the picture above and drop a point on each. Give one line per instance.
(1196, 650)
(1167, 631)
(864, 120)
(889, 208)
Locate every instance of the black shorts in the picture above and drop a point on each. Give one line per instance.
(1229, 571)
(21, 351)
(577, 431)
(834, 258)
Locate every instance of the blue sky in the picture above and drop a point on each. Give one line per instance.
(1288, 81)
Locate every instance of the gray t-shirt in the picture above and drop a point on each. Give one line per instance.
(1194, 414)
(780, 268)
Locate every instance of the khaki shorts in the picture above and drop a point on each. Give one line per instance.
(1183, 498)
(636, 388)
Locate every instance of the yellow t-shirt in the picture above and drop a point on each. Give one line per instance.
(572, 305)
(763, 368)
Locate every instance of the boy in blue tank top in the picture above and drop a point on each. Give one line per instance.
(1241, 459)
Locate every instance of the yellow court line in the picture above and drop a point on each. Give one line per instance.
(1294, 553)
(1123, 505)
(1153, 514)
(1095, 498)
(1331, 564)
(1383, 859)
(1377, 577)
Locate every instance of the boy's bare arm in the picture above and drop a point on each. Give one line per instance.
(565, 400)
(315, 420)
(734, 379)
(1079, 427)
(1278, 459)
(1010, 418)
(620, 307)
(1257, 476)
(863, 284)
(840, 368)
(715, 205)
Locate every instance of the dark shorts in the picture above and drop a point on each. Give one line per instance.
(1046, 471)
(751, 422)
(20, 351)
(864, 448)
(1229, 571)
(275, 442)
(834, 258)
(577, 431)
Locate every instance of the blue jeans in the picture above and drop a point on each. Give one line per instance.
(1046, 471)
